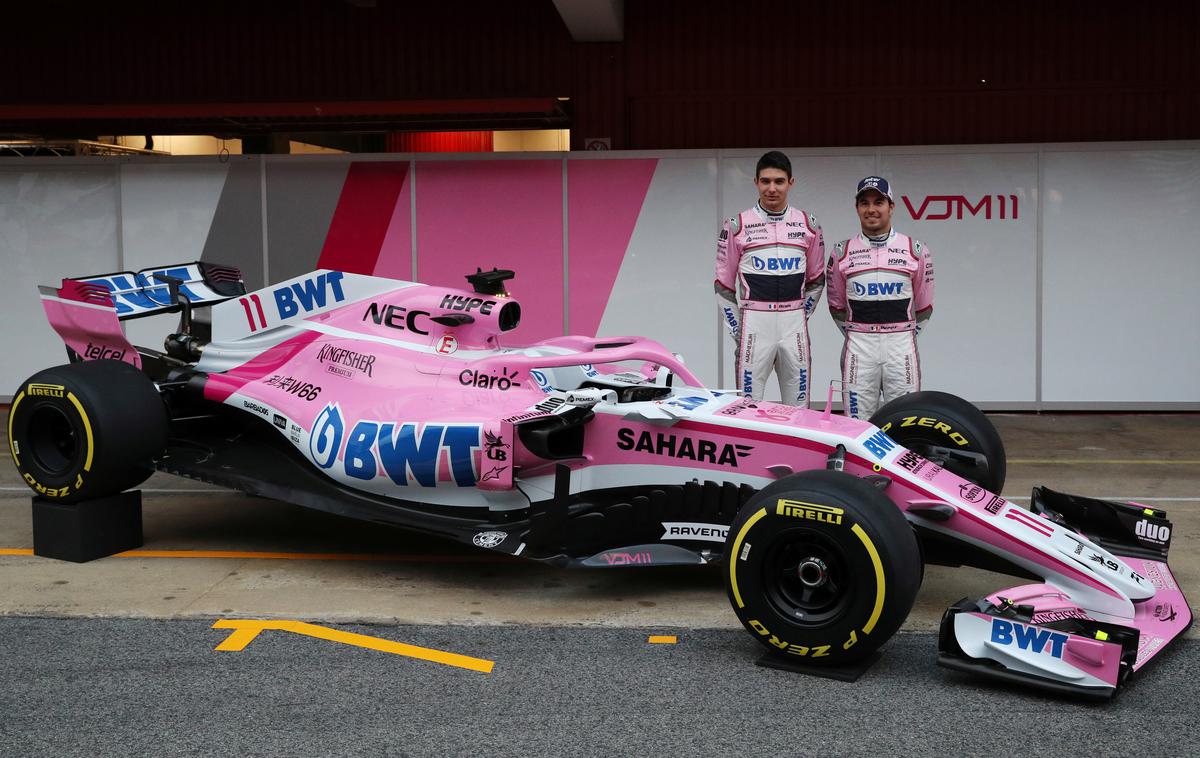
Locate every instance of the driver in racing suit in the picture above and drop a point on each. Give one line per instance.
(770, 273)
(880, 294)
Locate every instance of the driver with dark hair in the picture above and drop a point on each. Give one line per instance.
(880, 295)
(770, 273)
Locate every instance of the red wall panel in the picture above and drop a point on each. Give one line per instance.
(598, 94)
(711, 74)
(689, 73)
(227, 51)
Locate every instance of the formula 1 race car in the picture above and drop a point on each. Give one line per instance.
(403, 403)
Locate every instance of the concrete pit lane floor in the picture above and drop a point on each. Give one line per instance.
(212, 556)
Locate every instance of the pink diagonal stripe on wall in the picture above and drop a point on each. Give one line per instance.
(604, 198)
(496, 213)
(395, 255)
(363, 215)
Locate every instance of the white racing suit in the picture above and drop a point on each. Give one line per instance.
(769, 278)
(880, 293)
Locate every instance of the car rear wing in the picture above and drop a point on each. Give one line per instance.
(87, 311)
(147, 292)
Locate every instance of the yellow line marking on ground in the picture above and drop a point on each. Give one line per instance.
(1110, 461)
(662, 639)
(245, 630)
(15, 551)
(239, 639)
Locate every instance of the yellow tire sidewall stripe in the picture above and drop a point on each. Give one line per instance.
(737, 548)
(880, 586)
(87, 428)
(12, 412)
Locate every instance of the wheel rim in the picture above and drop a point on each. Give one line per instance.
(53, 443)
(806, 578)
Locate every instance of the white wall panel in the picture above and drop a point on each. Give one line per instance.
(664, 287)
(1115, 319)
(1121, 270)
(981, 342)
(55, 222)
(166, 213)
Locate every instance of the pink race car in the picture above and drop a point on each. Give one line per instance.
(405, 404)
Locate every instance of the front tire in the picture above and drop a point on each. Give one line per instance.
(823, 567)
(86, 430)
(924, 420)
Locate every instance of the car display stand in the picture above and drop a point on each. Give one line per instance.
(845, 673)
(87, 530)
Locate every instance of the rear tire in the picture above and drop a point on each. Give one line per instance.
(86, 430)
(822, 567)
(939, 419)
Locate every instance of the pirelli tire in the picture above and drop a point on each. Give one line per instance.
(939, 419)
(823, 567)
(86, 430)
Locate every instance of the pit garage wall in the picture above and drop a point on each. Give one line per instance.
(1065, 273)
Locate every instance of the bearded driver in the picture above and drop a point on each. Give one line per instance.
(880, 294)
(770, 261)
